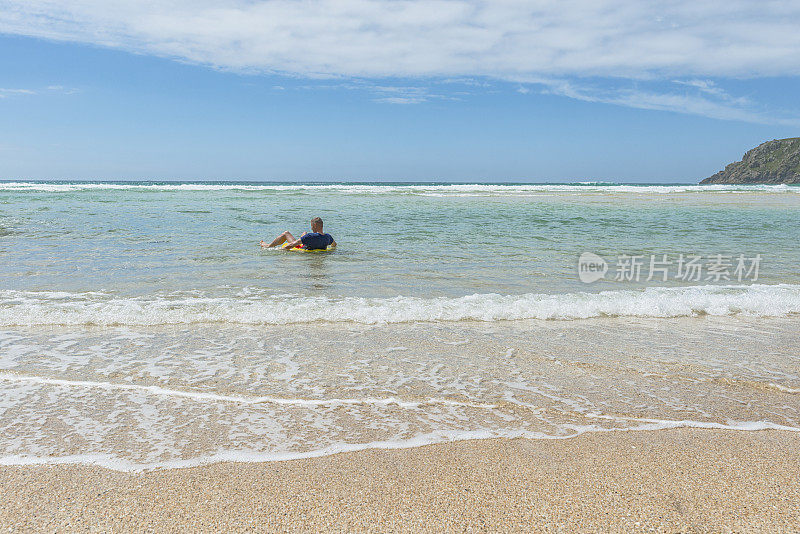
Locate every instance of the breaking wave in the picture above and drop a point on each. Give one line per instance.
(32, 308)
(395, 188)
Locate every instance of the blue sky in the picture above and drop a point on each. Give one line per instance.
(453, 90)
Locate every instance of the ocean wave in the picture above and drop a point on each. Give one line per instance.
(410, 189)
(254, 307)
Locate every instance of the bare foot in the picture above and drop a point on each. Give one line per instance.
(263, 245)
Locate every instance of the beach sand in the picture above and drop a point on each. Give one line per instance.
(689, 480)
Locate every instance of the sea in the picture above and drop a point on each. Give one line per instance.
(143, 327)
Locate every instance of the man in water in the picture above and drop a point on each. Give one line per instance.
(313, 240)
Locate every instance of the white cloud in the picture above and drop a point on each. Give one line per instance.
(379, 38)
(11, 92)
(4, 93)
(521, 41)
(707, 101)
(400, 100)
(388, 94)
(705, 86)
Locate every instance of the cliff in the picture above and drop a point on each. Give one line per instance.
(773, 162)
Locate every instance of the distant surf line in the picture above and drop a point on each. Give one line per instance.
(414, 188)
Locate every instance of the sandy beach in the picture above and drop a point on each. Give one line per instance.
(399, 266)
(687, 480)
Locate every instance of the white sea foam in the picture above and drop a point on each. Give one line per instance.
(30, 308)
(412, 189)
(784, 389)
(118, 463)
(238, 399)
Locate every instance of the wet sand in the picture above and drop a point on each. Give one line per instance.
(689, 480)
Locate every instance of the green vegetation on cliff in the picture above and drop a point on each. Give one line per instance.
(773, 162)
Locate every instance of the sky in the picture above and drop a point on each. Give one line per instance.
(395, 90)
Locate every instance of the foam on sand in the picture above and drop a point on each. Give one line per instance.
(116, 463)
(237, 399)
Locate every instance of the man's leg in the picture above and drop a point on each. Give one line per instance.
(280, 240)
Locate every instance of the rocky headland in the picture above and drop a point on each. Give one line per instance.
(773, 162)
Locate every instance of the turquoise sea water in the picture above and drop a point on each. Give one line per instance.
(447, 312)
(410, 240)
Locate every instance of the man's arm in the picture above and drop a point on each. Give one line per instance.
(293, 244)
(333, 242)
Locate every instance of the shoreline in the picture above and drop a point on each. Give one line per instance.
(115, 464)
(668, 480)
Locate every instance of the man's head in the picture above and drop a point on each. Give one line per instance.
(316, 225)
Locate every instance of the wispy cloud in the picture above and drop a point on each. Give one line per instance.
(389, 94)
(466, 81)
(706, 99)
(63, 90)
(456, 38)
(704, 86)
(11, 92)
(4, 92)
(683, 40)
(404, 95)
